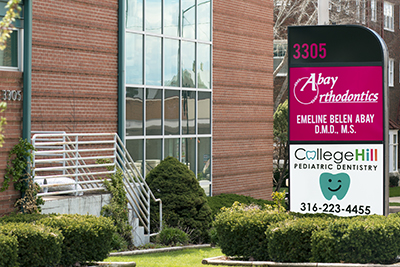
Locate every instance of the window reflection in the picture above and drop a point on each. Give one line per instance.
(153, 111)
(171, 112)
(134, 111)
(204, 163)
(153, 60)
(204, 113)
(189, 153)
(171, 62)
(153, 16)
(188, 112)
(204, 20)
(188, 64)
(135, 149)
(204, 66)
(134, 15)
(153, 153)
(189, 19)
(171, 17)
(134, 58)
(171, 148)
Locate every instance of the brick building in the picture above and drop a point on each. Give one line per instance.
(190, 79)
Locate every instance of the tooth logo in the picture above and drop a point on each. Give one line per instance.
(334, 185)
(311, 155)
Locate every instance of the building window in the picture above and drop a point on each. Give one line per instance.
(169, 84)
(393, 150)
(391, 72)
(280, 47)
(363, 11)
(10, 56)
(358, 14)
(373, 10)
(388, 14)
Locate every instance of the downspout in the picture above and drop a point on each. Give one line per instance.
(27, 69)
(121, 70)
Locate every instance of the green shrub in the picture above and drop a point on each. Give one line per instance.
(368, 239)
(241, 230)
(24, 218)
(184, 201)
(290, 240)
(172, 236)
(393, 180)
(38, 245)
(86, 238)
(227, 200)
(8, 251)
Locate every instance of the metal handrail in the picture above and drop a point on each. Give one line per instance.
(62, 155)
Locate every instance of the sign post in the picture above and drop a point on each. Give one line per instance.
(338, 126)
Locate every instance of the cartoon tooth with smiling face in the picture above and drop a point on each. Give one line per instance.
(334, 185)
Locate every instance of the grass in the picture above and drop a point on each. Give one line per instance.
(394, 191)
(394, 204)
(186, 257)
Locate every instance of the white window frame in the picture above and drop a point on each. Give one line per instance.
(391, 72)
(20, 34)
(373, 10)
(393, 150)
(388, 16)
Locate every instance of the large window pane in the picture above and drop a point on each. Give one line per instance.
(204, 20)
(153, 153)
(171, 17)
(188, 64)
(171, 62)
(134, 111)
(9, 56)
(188, 112)
(134, 58)
(189, 153)
(153, 60)
(134, 15)
(189, 19)
(204, 163)
(171, 148)
(204, 66)
(153, 16)
(204, 113)
(153, 112)
(135, 149)
(171, 112)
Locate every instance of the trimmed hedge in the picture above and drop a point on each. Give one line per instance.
(38, 245)
(8, 251)
(86, 238)
(227, 200)
(290, 240)
(372, 239)
(241, 230)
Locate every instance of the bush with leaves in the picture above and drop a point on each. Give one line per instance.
(18, 171)
(172, 236)
(184, 201)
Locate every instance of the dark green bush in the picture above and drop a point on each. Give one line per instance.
(86, 238)
(172, 236)
(38, 245)
(24, 218)
(368, 239)
(8, 251)
(184, 201)
(241, 230)
(393, 180)
(227, 200)
(290, 240)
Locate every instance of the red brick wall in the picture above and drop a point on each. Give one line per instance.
(10, 80)
(74, 65)
(242, 97)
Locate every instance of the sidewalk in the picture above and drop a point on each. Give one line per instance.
(394, 209)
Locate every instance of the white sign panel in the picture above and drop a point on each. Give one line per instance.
(345, 180)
